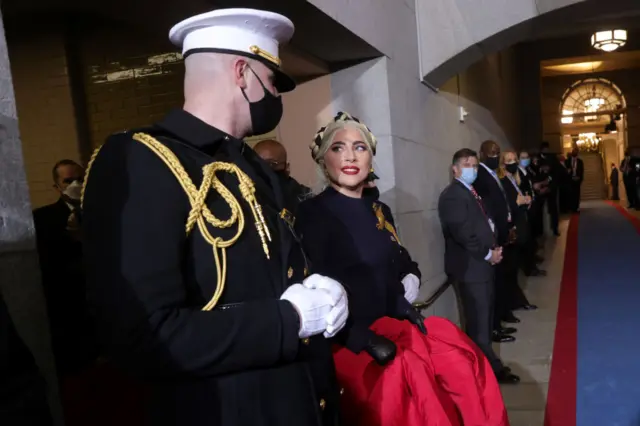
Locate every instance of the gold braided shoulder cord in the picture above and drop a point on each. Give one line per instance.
(200, 213)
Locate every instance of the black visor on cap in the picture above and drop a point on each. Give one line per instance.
(283, 82)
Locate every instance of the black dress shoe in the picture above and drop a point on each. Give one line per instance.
(527, 308)
(502, 338)
(505, 377)
(507, 330)
(510, 319)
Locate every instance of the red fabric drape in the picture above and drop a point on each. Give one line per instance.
(442, 379)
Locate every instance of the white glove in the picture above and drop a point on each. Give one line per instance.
(313, 307)
(340, 312)
(411, 285)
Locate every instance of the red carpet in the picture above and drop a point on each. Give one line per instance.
(624, 212)
(561, 398)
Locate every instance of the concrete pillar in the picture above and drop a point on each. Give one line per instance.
(19, 270)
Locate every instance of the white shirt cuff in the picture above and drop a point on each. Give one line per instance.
(488, 256)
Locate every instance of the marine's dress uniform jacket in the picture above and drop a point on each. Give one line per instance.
(241, 364)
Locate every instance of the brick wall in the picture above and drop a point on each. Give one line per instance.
(124, 87)
(45, 108)
(128, 78)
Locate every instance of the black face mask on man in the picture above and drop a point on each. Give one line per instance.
(265, 113)
(492, 162)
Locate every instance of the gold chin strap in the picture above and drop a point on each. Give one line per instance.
(200, 213)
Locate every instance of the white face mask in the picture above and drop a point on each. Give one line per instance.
(74, 190)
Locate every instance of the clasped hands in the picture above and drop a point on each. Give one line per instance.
(523, 199)
(321, 303)
(496, 256)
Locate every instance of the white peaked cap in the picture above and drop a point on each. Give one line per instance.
(253, 33)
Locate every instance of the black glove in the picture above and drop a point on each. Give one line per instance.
(414, 317)
(381, 349)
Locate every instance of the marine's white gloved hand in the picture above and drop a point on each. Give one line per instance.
(340, 312)
(313, 306)
(411, 285)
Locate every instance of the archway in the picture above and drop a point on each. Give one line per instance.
(589, 112)
(592, 121)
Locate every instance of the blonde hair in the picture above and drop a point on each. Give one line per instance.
(324, 138)
(502, 170)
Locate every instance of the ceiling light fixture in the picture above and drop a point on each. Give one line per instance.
(609, 40)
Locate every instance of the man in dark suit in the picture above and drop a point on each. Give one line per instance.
(575, 170)
(628, 179)
(555, 174)
(531, 187)
(275, 154)
(61, 264)
(614, 180)
(471, 253)
(491, 190)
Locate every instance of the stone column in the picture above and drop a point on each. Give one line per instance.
(19, 270)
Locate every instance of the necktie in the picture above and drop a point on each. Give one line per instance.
(484, 212)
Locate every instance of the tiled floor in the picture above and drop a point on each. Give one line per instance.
(530, 355)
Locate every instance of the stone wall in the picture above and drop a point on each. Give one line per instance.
(20, 279)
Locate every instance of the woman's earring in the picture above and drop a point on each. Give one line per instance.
(372, 175)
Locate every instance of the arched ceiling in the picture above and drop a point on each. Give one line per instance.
(497, 25)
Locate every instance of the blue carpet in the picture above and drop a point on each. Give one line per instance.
(608, 373)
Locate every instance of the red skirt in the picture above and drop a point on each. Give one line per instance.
(442, 379)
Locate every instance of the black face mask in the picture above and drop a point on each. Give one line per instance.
(265, 113)
(492, 162)
(512, 168)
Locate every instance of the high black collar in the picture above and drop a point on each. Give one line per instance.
(193, 131)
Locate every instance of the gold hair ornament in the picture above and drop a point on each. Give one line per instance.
(340, 117)
(200, 213)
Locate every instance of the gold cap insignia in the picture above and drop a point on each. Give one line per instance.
(266, 55)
